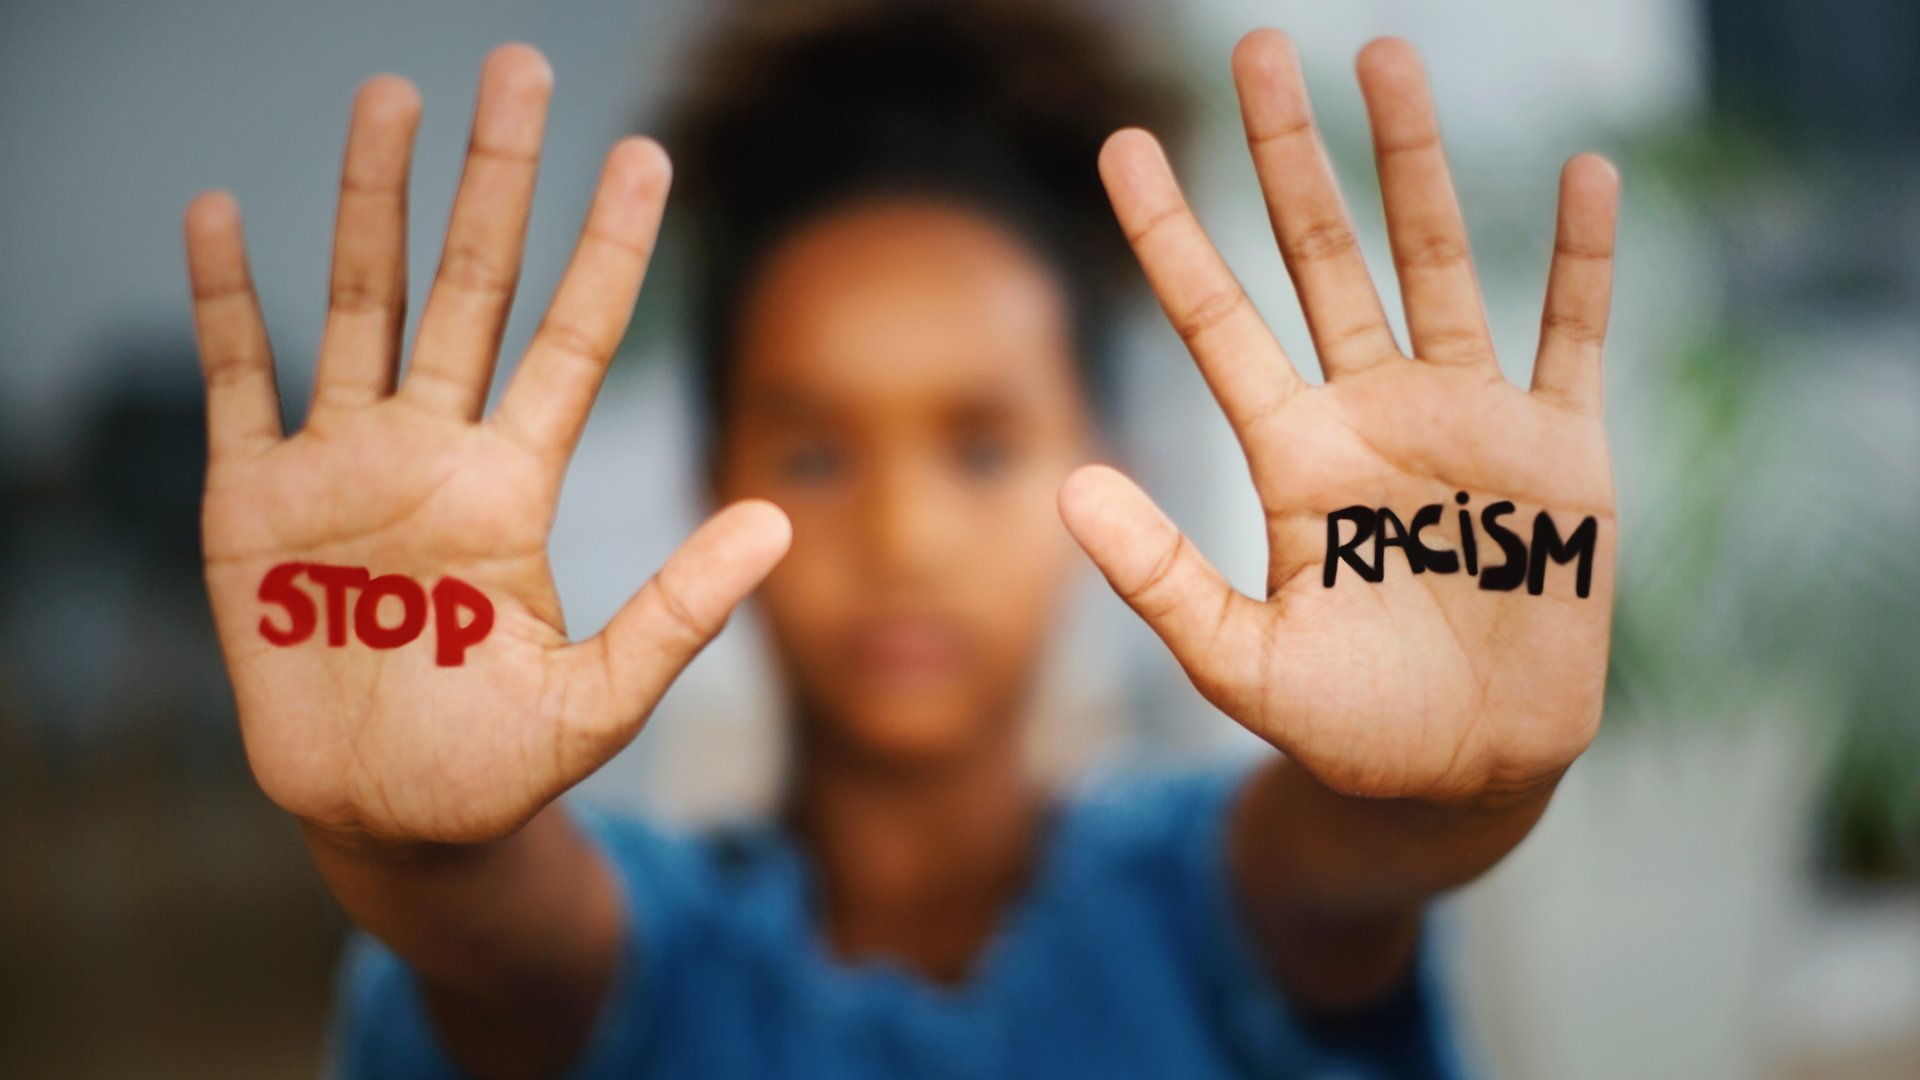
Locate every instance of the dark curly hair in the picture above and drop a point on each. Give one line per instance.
(798, 107)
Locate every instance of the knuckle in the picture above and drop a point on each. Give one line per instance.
(1318, 240)
(1151, 589)
(1572, 327)
(1566, 250)
(1452, 341)
(339, 394)
(1434, 251)
(1419, 144)
(1208, 314)
(1362, 336)
(468, 266)
(624, 245)
(501, 153)
(233, 370)
(1146, 229)
(357, 293)
(1291, 129)
(691, 627)
(572, 339)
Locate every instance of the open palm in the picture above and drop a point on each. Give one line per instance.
(412, 480)
(1422, 684)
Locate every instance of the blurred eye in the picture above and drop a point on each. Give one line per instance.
(812, 463)
(985, 456)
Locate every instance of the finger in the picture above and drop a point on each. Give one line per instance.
(1163, 577)
(466, 309)
(1242, 362)
(1573, 326)
(243, 405)
(367, 298)
(546, 405)
(673, 616)
(1445, 318)
(1316, 236)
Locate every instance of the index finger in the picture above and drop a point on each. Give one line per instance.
(243, 404)
(546, 405)
(1244, 365)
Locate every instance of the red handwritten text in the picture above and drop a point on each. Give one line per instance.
(452, 637)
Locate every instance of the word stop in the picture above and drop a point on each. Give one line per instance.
(452, 637)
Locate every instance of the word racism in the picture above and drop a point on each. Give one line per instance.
(452, 637)
(1386, 530)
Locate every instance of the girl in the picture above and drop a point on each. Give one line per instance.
(900, 309)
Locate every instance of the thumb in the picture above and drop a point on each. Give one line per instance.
(673, 616)
(1211, 627)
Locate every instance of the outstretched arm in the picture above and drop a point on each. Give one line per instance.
(405, 682)
(1431, 650)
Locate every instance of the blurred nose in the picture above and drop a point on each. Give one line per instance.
(914, 529)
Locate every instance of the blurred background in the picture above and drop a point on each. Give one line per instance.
(1728, 885)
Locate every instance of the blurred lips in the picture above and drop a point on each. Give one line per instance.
(907, 648)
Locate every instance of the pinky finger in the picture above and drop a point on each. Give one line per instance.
(1573, 326)
(243, 404)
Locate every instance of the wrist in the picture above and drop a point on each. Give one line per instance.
(1364, 857)
(362, 851)
(1495, 800)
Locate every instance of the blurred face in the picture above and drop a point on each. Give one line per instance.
(905, 390)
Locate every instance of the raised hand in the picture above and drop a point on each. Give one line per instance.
(405, 741)
(1442, 685)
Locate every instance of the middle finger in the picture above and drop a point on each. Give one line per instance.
(1317, 240)
(453, 357)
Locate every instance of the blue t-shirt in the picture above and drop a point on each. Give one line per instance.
(1126, 957)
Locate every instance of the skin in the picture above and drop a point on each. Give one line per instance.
(905, 390)
(1424, 722)
(904, 387)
